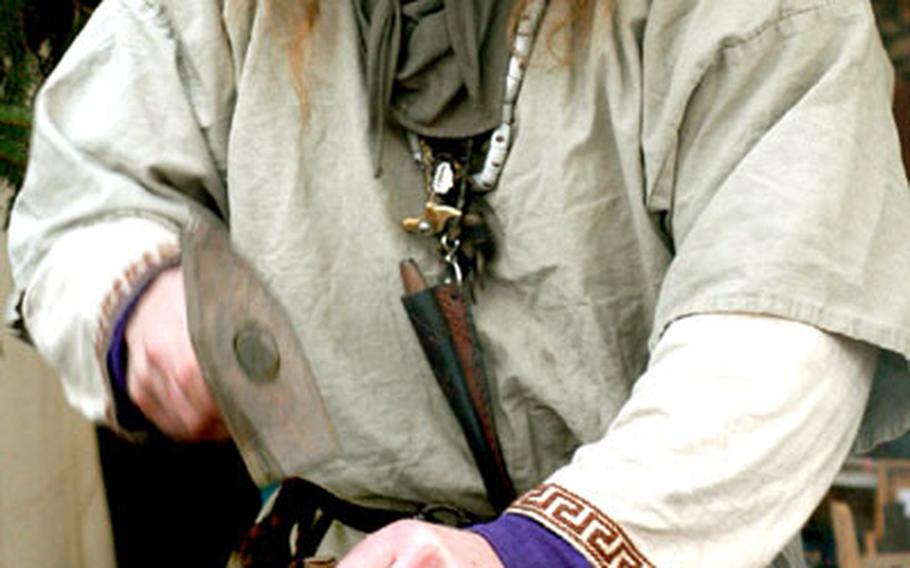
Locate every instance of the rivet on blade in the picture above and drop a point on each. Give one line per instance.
(257, 353)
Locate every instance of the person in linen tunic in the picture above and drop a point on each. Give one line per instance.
(703, 257)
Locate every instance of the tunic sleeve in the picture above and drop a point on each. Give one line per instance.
(130, 130)
(775, 162)
(772, 161)
(727, 444)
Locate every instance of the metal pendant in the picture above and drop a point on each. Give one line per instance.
(433, 221)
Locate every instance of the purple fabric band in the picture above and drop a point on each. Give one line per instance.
(128, 415)
(117, 354)
(523, 543)
(117, 350)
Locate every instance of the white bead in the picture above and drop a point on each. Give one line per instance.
(516, 71)
(512, 86)
(523, 45)
(528, 22)
(508, 113)
(500, 141)
(443, 179)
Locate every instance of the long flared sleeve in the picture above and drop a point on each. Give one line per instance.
(772, 161)
(130, 133)
(727, 444)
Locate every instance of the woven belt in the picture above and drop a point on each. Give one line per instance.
(289, 535)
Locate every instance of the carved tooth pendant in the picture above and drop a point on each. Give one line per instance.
(411, 224)
(438, 215)
(433, 220)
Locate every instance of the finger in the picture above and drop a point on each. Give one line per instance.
(139, 385)
(425, 546)
(189, 380)
(405, 544)
(185, 394)
(170, 410)
(217, 432)
(425, 556)
(153, 399)
(193, 422)
(376, 551)
(200, 423)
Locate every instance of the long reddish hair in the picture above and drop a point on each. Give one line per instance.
(306, 15)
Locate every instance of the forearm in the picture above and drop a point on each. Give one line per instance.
(112, 179)
(73, 299)
(728, 442)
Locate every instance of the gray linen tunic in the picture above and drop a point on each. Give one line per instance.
(691, 157)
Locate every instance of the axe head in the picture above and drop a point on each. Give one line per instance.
(252, 360)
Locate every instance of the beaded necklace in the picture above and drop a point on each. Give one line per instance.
(456, 178)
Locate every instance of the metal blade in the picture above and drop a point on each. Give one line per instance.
(252, 360)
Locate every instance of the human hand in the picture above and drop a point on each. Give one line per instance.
(164, 378)
(414, 544)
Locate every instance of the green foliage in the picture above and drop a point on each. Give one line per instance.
(14, 76)
(894, 24)
(33, 37)
(14, 133)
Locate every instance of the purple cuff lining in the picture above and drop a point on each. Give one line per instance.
(117, 354)
(128, 415)
(117, 351)
(522, 543)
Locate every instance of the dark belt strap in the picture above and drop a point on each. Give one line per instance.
(309, 510)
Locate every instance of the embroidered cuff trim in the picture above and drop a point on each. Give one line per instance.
(134, 279)
(595, 535)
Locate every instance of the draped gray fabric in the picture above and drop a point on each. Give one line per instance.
(435, 67)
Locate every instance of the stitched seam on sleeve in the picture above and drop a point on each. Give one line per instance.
(771, 24)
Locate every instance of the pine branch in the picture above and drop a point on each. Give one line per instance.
(15, 116)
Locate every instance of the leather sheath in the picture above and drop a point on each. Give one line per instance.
(444, 326)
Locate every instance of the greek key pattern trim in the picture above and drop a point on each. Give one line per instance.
(597, 537)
